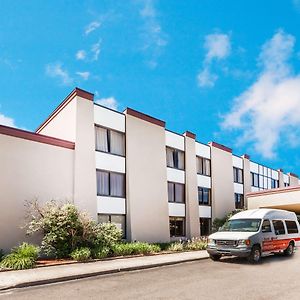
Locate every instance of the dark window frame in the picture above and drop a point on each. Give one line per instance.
(109, 183)
(174, 191)
(177, 219)
(201, 201)
(242, 200)
(175, 152)
(109, 130)
(203, 170)
(236, 177)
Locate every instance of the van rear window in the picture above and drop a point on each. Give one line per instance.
(278, 227)
(291, 227)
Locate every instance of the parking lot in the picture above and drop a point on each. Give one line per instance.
(276, 277)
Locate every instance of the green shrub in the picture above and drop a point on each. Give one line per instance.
(217, 223)
(135, 248)
(196, 244)
(176, 246)
(163, 246)
(1, 254)
(100, 252)
(21, 257)
(65, 229)
(81, 254)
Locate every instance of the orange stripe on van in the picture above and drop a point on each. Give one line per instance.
(277, 245)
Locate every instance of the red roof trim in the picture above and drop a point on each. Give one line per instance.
(190, 135)
(32, 136)
(274, 191)
(76, 92)
(293, 175)
(221, 147)
(145, 117)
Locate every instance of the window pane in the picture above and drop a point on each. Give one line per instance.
(207, 167)
(240, 175)
(206, 196)
(180, 160)
(177, 226)
(278, 227)
(117, 185)
(120, 222)
(205, 226)
(200, 195)
(239, 201)
(266, 226)
(102, 183)
(199, 162)
(170, 160)
(117, 142)
(179, 193)
(291, 227)
(171, 195)
(103, 218)
(101, 139)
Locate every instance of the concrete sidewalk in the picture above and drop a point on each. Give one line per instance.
(37, 276)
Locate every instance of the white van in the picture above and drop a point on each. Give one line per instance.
(255, 233)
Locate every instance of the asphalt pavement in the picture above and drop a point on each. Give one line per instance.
(277, 277)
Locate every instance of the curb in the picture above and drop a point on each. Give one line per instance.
(94, 274)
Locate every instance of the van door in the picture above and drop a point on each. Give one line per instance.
(267, 235)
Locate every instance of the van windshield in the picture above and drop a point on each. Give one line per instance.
(241, 225)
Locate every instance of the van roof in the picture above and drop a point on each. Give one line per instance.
(264, 213)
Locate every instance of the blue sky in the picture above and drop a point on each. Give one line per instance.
(225, 70)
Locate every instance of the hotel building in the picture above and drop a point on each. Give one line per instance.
(126, 168)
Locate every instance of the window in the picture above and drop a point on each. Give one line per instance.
(204, 196)
(205, 225)
(177, 226)
(239, 201)
(286, 184)
(110, 184)
(278, 227)
(111, 141)
(291, 227)
(255, 179)
(118, 220)
(266, 226)
(175, 158)
(176, 192)
(203, 166)
(274, 183)
(237, 175)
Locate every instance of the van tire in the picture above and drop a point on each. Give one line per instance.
(255, 255)
(215, 257)
(289, 251)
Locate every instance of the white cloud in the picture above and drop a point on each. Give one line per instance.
(217, 47)
(153, 37)
(84, 75)
(268, 110)
(55, 70)
(110, 102)
(7, 121)
(80, 55)
(206, 78)
(95, 49)
(91, 27)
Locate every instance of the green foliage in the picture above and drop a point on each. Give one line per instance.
(21, 257)
(135, 248)
(196, 244)
(176, 246)
(1, 254)
(65, 229)
(81, 254)
(100, 252)
(217, 223)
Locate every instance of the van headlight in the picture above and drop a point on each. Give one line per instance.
(211, 242)
(244, 242)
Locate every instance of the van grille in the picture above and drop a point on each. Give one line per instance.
(226, 242)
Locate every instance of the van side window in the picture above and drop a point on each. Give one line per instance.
(266, 226)
(278, 227)
(291, 227)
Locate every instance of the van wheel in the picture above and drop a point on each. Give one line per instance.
(289, 250)
(255, 255)
(215, 257)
